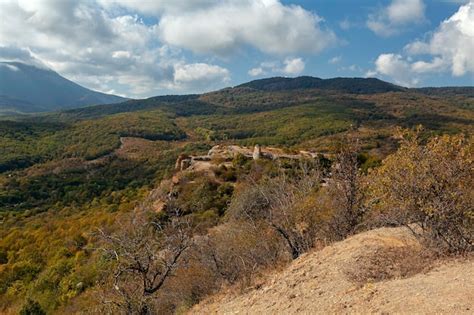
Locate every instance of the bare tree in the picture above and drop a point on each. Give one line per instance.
(145, 255)
(281, 202)
(346, 193)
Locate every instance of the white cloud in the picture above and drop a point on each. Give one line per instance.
(396, 17)
(267, 25)
(452, 44)
(335, 60)
(436, 65)
(289, 66)
(254, 72)
(13, 54)
(107, 45)
(208, 76)
(9, 67)
(99, 47)
(121, 54)
(449, 48)
(405, 11)
(371, 74)
(395, 67)
(293, 66)
(158, 7)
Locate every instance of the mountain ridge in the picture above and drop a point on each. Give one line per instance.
(27, 88)
(349, 85)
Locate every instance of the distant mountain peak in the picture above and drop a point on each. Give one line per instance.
(32, 88)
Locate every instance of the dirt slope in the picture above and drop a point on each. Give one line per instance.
(381, 271)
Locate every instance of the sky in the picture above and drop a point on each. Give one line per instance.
(143, 48)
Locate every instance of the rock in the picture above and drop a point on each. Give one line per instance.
(256, 152)
(175, 180)
(185, 164)
(214, 150)
(159, 206)
(177, 165)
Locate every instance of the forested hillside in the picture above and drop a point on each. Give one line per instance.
(70, 180)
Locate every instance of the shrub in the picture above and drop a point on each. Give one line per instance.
(430, 186)
(32, 308)
(282, 203)
(391, 263)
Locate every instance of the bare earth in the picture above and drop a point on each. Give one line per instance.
(330, 281)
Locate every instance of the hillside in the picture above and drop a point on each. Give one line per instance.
(345, 85)
(340, 279)
(26, 88)
(66, 174)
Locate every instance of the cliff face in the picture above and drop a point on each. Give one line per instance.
(380, 271)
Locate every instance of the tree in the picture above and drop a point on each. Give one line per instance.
(429, 187)
(346, 192)
(281, 202)
(145, 254)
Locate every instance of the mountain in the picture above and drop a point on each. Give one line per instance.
(234, 99)
(27, 88)
(347, 85)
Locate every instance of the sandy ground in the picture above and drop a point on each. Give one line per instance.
(323, 283)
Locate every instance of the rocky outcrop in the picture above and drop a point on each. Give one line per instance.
(226, 153)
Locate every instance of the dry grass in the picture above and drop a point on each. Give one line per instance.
(391, 263)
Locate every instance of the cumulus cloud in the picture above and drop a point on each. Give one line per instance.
(449, 48)
(108, 46)
(158, 7)
(452, 44)
(289, 66)
(208, 76)
(226, 26)
(98, 47)
(293, 66)
(396, 17)
(395, 67)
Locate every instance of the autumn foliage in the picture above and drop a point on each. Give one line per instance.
(429, 186)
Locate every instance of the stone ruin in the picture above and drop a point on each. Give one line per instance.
(228, 152)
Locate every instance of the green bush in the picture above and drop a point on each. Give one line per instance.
(32, 308)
